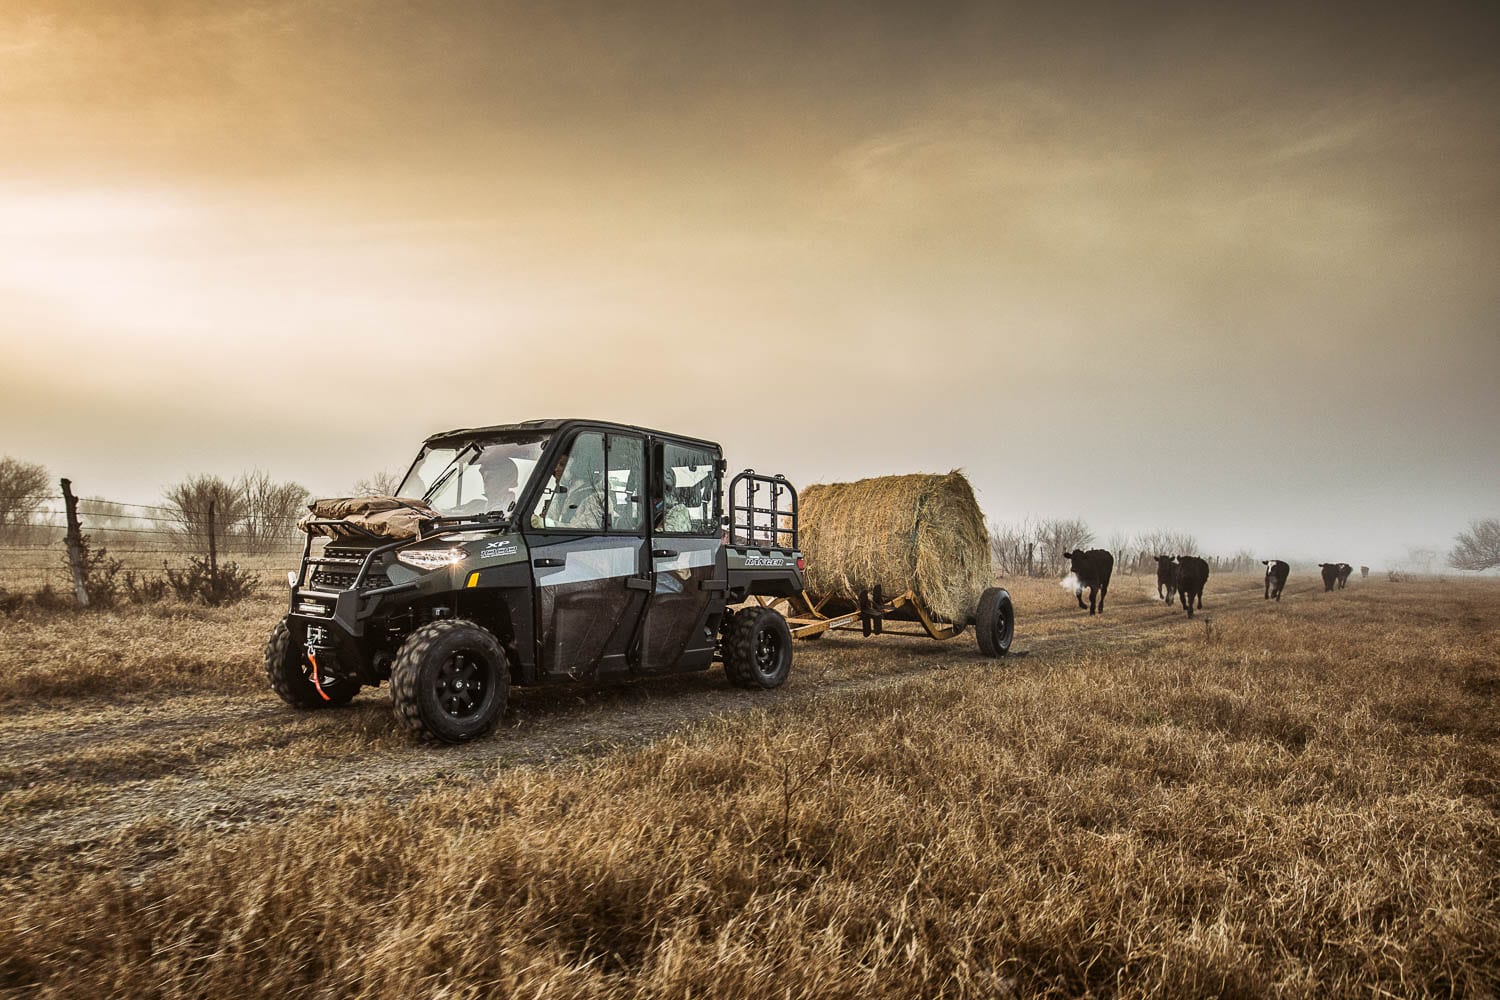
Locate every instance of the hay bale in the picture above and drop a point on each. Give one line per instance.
(923, 533)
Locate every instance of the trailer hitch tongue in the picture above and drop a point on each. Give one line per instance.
(317, 681)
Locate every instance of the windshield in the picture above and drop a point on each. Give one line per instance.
(470, 478)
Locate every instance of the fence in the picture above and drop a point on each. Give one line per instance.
(44, 545)
(1028, 550)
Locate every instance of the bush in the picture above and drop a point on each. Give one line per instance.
(146, 588)
(198, 582)
(99, 574)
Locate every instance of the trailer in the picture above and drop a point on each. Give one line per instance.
(763, 517)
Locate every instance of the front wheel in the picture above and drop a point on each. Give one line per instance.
(995, 622)
(291, 674)
(449, 681)
(758, 649)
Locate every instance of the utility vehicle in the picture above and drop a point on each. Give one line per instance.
(543, 551)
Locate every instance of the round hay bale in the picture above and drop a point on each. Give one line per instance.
(923, 533)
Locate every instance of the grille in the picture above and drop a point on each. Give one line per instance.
(339, 577)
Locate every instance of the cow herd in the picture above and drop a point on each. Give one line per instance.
(1182, 578)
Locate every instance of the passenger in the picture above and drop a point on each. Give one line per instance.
(672, 515)
(576, 501)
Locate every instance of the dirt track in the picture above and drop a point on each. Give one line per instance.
(106, 783)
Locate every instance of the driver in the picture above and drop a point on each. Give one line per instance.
(500, 479)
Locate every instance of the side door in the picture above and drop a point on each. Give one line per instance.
(688, 572)
(588, 553)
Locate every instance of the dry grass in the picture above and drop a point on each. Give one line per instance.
(1294, 800)
(149, 649)
(920, 532)
(167, 648)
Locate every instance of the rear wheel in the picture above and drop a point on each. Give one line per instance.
(758, 649)
(995, 622)
(290, 673)
(449, 681)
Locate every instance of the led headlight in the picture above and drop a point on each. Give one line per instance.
(431, 558)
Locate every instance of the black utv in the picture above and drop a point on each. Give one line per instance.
(544, 551)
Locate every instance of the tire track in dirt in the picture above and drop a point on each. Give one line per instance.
(203, 792)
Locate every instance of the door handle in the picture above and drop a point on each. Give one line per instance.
(637, 583)
(663, 553)
(543, 563)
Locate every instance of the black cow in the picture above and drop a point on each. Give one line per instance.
(1091, 569)
(1330, 575)
(1276, 573)
(1344, 570)
(1166, 578)
(1192, 575)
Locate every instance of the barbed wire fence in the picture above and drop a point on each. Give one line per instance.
(41, 544)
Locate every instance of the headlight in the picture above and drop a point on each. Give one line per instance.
(431, 558)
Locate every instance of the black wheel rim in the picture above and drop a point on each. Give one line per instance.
(461, 684)
(767, 652)
(1002, 626)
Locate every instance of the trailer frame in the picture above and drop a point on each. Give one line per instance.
(869, 618)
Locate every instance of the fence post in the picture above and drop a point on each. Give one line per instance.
(75, 544)
(213, 552)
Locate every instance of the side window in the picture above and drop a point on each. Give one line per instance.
(686, 492)
(625, 476)
(573, 495)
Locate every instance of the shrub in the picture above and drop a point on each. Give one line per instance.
(100, 573)
(229, 584)
(146, 588)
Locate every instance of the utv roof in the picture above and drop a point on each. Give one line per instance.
(552, 426)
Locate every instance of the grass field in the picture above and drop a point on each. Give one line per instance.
(1299, 799)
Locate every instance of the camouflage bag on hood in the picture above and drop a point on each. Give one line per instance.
(382, 516)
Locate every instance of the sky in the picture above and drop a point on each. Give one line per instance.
(1229, 270)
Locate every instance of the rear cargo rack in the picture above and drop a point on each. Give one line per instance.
(756, 522)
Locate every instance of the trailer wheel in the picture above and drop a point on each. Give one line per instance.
(995, 624)
(758, 649)
(290, 674)
(449, 681)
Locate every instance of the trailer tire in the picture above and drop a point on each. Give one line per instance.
(758, 649)
(449, 681)
(995, 622)
(290, 675)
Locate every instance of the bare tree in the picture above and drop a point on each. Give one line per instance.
(1419, 559)
(1014, 547)
(108, 522)
(1059, 535)
(23, 491)
(1167, 543)
(382, 483)
(1124, 547)
(189, 502)
(1479, 547)
(268, 511)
